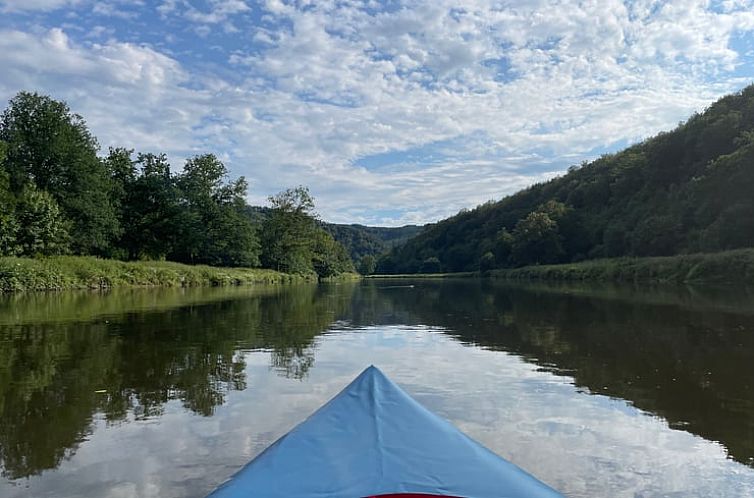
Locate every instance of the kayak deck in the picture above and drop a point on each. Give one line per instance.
(374, 440)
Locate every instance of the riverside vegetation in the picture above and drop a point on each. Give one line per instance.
(687, 191)
(88, 272)
(58, 197)
(676, 207)
(724, 267)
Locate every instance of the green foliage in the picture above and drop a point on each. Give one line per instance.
(683, 191)
(536, 239)
(361, 241)
(367, 265)
(42, 230)
(51, 148)
(152, 215)
(655, 236)
(430, 265)
(724, 267)
(289, 232)
(122, 172)
(293, 240)
(57, 196)
(87, 272)
(329, 258)
(214, 229)
(502, 246)
(8, 221)
(487, 262)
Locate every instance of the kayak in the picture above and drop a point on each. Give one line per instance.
(374, 440)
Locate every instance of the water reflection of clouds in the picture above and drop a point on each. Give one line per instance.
(584, 445)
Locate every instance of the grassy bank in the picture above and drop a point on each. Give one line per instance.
(79, 272)
(426, 275)
(722, 267)
(343, 277)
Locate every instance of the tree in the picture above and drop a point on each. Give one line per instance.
(8, 221)
(232, 239)
(733, 228)
(42, 228)
(122, 172)
(655, 236)
(367, 265)
(151, 213)
(614, 239)
(329, 258)
(536, 240)
(288, 233)
(121, 169)
(51, 148)
(430, 265)
(503, 246)
(215, 230)
(487, 262)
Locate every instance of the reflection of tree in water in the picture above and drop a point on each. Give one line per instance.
(290, 324)
(684, 357)
(294, 364)
(54, 378)
(47, 384)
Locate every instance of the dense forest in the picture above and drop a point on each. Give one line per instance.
(684, 191)
(58, 196)
(365, 244)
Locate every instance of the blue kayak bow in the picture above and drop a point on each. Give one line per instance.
(372, 440)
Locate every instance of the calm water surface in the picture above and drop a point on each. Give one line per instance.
(166, 393)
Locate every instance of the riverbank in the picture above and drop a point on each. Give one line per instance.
(715, 268)
(462, 274)
(84, 272)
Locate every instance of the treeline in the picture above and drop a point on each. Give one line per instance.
(365, 244)
(57, 196)
(684, 191)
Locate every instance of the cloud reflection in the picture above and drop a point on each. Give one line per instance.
(584, 445)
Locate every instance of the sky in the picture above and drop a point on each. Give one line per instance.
(391, 112)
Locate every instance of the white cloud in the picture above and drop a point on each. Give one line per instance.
(168, 7)
(326, 83)
(129, 94)
(39, 5)
(112, 9)
(220, 11)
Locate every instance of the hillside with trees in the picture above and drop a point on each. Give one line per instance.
(365, 244)
(58, 196)
(684, 191)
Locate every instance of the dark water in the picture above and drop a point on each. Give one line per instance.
(165, 393)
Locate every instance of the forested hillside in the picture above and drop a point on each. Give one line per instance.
(365, 244)
(59, 196)
(684, 191)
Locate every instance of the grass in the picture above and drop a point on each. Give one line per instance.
(84, 272)
(343, 277)
(426, 275)
(722, 267)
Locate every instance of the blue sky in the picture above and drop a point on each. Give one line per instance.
(392, 112)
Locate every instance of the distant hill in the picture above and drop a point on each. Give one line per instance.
(362, 240)
(359, 240)
(684, 191)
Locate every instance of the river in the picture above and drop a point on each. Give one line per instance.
(597, 390)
